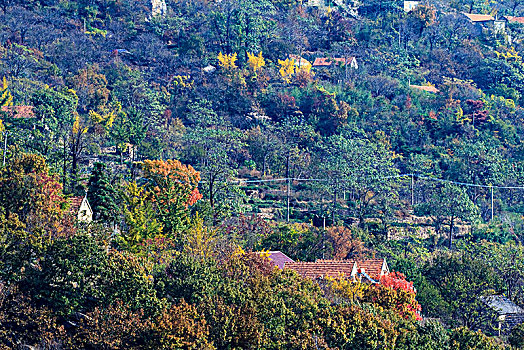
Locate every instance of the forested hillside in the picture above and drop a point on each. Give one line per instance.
(155, 151)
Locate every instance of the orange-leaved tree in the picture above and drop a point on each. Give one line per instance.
(395, 293)
(29, 193)
(173, 188)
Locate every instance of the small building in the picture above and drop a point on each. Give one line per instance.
(329, 62)
(315, 3)
(81, 209)
(482, 23)
(300, 61)
(209, 69)
(158, 8)
(509, 314)
(410, 5)
(512, 19)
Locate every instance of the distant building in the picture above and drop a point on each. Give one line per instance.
(512, 19)
(328, 62)
(509, 314)
(300, 61)
(158, 8)
(482, 23)
(209, 69)
(410, 5)
(81, 209)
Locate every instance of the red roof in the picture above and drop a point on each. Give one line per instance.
(515, 19)
(76, 202)
(325, 61)
(478, 18)
(318, 269)
(279, 259)
(18, 112)
(374, 268)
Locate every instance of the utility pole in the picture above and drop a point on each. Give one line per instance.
(5, 147)
(288, 194)
(491, 202)
(412, 191)
(288, 184)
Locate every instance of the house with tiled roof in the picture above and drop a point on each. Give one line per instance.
(300, 61)
(81, 209)
(508, 313)
(483, 23)
(512, 19)
(369, 270)
(329, 62)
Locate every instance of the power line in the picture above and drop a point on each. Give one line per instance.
(418, 176)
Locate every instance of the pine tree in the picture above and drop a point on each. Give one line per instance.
(102, 195)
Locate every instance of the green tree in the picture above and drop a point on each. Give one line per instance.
(56, 112)
(213, 151)
(173, 189)
(447, 204)
(139, 217)
(361, 165)
(101, 195)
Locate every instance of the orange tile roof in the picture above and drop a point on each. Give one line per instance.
(478, 18)
(76, 202)
(18, 112)
(515, 19)
(325, 61)
(318, 269)
(374, 268)
(321, 61)
(431, 89)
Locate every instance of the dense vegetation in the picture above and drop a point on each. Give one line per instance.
(164, 119)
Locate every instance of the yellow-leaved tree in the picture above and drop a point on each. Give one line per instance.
(510, 54)
(255, 62)
(140, 218)
(287, 69)
(6, 99)
(201, 240)
(227, 61)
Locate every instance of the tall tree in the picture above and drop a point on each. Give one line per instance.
(173, 188)
(101, 195)
(446, 205)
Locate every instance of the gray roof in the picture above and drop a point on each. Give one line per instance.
(502, 305)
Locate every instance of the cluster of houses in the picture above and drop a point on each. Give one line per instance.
(508, 313)
(480, 22)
